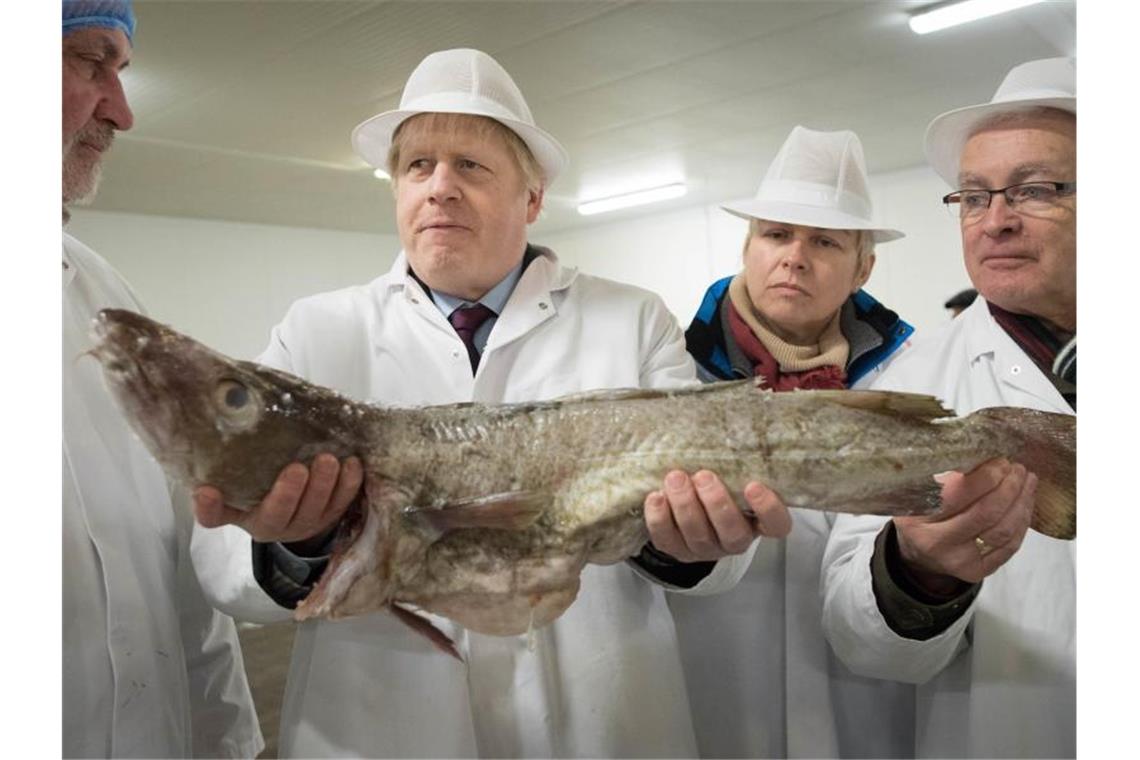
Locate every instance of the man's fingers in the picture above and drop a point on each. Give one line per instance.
(977, 540)
(211, 511)
(273, 515)
(347, 486)
(959, 490)
(734, 532)
(982, 515)
(208, 506)
(303, 502)
(1004, 537)
(772, 517)
(308, 517)
(689, 514)
(663, 532)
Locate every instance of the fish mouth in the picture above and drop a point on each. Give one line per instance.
(128, 378)
(113, 330)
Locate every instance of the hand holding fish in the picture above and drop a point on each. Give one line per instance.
(695, 519)
(303, 502)
(985, 515)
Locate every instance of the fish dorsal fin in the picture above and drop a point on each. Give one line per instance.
(624, 394)
(604, 395)
(613, 394)
(914, 405)
(511, 510)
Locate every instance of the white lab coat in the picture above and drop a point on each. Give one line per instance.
(763, 681)
(149, 668)
(602, 680)
(1001, 682)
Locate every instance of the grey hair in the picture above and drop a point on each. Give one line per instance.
(1020, 116)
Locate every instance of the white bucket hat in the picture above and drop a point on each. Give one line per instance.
(1048, 82)
(818, 179)
(460, 81)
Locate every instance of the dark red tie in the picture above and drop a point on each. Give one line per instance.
(466, 321)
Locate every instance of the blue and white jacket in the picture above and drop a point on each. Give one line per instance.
(874, 332)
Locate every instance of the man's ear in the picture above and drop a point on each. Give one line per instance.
(534, 203)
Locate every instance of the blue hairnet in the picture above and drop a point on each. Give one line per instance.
(108, 14)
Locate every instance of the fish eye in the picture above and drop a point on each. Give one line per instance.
(236, 396)
(236, 403)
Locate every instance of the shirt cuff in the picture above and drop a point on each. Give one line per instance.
(907, 609)
(671, 571)
(286, 577)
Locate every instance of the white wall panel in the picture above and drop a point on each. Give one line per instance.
(916, 275)
(227, 283)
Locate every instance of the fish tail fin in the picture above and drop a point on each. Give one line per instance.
(1049, 449)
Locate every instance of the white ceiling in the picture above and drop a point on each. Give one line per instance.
(243, 109)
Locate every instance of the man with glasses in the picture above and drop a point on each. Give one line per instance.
(969, 604)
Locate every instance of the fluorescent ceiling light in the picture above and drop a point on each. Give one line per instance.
(947, 16)
(638, 198)
(381, 174)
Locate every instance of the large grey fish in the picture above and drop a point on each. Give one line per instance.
(487, 514)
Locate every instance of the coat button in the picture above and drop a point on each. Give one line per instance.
(414, 300)
(542, 305)
(1015, 369)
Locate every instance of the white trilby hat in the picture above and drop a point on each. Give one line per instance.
(1050, 82)
(818, 179)
(460, 81)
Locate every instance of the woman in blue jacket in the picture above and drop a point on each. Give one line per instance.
(796, 314)
(762, 680)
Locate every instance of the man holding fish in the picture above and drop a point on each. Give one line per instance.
(149, 668)
(969, 604)
(471, 312)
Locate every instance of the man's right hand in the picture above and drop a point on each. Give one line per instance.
(303, 503)
(984, 517)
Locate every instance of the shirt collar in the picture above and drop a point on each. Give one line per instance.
(495, 299)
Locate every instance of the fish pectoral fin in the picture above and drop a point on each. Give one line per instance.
(915, 405)
(512, 510)
(424, 627)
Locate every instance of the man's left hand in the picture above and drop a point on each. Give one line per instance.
(695, 519)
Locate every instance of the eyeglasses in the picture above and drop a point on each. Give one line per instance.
(1027, 197)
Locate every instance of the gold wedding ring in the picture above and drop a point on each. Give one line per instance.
(983, 547)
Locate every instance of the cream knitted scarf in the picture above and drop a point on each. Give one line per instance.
(832, 347)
